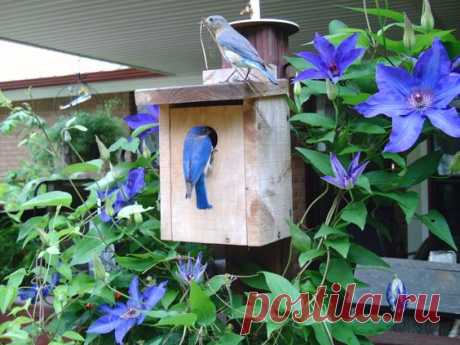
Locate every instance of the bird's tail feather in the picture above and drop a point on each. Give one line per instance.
(189, 188)
(266, 72)
(202, 202)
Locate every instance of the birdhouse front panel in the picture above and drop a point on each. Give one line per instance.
(246, 136)
(225, 222)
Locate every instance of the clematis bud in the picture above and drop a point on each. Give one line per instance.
(138, 218)
(409, 34)
(99, 270)
(67, 136)
(395, 289)
(427, 20)
(297, 88)
(331, 90)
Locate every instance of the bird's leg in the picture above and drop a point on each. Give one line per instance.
(247, 74)
(231, 75)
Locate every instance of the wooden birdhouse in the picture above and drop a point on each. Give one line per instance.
(250, 184)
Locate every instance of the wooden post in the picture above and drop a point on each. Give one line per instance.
(271, 39)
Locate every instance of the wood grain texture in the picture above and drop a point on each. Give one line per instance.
(225, 223)
(419, 277)
(399, 338)
(210, 93)
(267, 170)
(165, 172)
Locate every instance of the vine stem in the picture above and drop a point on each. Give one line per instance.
(300, 223)
(329, 216)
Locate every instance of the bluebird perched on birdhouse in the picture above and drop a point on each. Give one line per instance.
(236, 49)
(197, 154)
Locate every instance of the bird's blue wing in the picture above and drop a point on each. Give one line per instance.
(196, 154)
(232, 40)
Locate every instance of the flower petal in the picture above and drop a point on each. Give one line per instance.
(334, 181)
(314, 59)
(309, 74)
(447, 120)
(118, 309)
(432, 65)
(134, 183)
(153, 294)
(405, 132)
(134, 293)
(394, 79)
(354, 163)
(123, 328)
(104, 324)
(351, 57)
(358, 172)
(325, 49)
(337, 168)
(346, 46)
(447, 89)
(388, 103)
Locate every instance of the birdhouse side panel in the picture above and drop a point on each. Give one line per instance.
(165, 172)
(225, 222)
(268, 171)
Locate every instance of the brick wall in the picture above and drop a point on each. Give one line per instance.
(11, 155)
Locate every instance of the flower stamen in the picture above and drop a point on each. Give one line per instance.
(420, 99)
(131, 313)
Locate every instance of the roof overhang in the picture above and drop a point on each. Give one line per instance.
(163, 35)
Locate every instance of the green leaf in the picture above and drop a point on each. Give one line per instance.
(341, 245)
(421, 169)
(300, 240)
(370, 328)
(438, 226)
(363, 126)
(408, 201)
(280, 285)
(228, 339)
(7, 297)
(314, 119)
(85, 249)
(73, 336)
(142, 129)
(383, 180)
(310, 255)
(319, 160)
(93, 166)
(355, 213)
(15, 278)
(49, 199)
(214, 284)
(169, 297)
(336, 26)
(339, 271)
(137, 263)
(344, 333)
(325, 231)
(380, 12)
(123, 144)
(187, 319)
(365, 257)
(454, 166)
(201, 305)
(298, 62)
(319, 329)
(395, 158)
(363, 182)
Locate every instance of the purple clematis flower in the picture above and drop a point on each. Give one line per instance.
(138, 120)
(410, 99)
(395, 289)
(123, 195)
(331, 62)
(456, 65)
(345, 179)
(189, 272)
(124, 316)
(33, 291)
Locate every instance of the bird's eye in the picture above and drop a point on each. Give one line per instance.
(211, 19)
